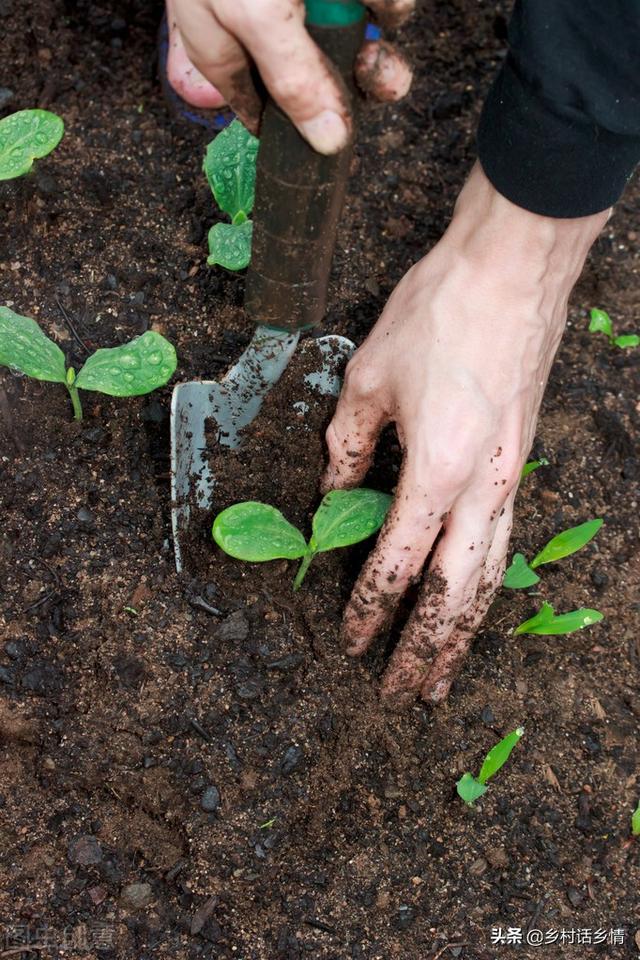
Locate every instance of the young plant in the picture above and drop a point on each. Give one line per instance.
(470, 788)
(600, 322)
(135, 368)
(257, 532)
(635, 821)
(521, 574)
(26, 136)
(533, 465)
(230, 167)
(546, 623)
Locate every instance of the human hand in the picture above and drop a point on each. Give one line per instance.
(458, 361)
(221, 36)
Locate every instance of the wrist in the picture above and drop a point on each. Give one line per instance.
(495, 234)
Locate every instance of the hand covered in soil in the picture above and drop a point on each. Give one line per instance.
(458, 361)
(221, 36)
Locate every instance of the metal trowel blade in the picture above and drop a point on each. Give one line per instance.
(233, 402)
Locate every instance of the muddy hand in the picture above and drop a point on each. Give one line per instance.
(458, 361)
(222, 36)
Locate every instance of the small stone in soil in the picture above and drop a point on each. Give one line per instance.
(574, 896)
(210, 799)
(136, 895)
(486, 715)
(85, 516)
(406, 916)
(292, 760)
(6, 96)
(84, 850)
(235, 627)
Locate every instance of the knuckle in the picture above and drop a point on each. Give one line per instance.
(335, 441)
(361, 380)
(291, 88)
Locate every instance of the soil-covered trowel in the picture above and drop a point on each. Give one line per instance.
(299, 197)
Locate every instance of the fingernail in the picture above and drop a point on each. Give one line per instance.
(440, 691)
(326, 132)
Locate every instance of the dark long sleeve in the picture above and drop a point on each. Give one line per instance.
(560, 129)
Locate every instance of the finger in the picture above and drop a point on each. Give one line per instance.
(404, 543)
(447, 596)
(183, 76)
(448, 662)
(391, 13)
(382, 72)
(353, 432)
(296, 73)
(220, 58)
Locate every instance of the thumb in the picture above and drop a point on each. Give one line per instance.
(299, 78)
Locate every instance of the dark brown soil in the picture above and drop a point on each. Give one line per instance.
(333, 830)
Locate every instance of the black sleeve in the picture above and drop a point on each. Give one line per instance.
(560, 129)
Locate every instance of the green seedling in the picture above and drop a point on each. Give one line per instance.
(135, 368)
(600, 322)
(26, 136)
(520, 574)
(635, 822)
(533, 465)
(230, 168)
(257, 532)
(268, 824)
(470, 788)
(546, 623)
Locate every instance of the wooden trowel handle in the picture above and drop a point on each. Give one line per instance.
(299, 193)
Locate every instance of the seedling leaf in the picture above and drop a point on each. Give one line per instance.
(135, 368)
(546, 623)
(230, 167)
(257, 532)
(348, 516)
(533, 465)
(26, 136)
(230, 245)
(498, 755)
(519, 575)
(635, 822)
(469, 789)
(566, 543)
(600, 322)
(25, 347)
(627, 340)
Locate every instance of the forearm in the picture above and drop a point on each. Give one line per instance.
(531, 249)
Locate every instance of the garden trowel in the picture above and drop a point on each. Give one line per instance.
(299, 197)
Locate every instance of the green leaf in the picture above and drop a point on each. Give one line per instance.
(498, 755)
(566, 543)
(635, 822)
(348, 516)
(469, 789)
(230, 245)
(135, 368)
(24, 347)
(626, 340)
(533, 465)
(230, 167)
(519, 575)
(26, 136)
(257, 532)
(546, 623)
(600, 322)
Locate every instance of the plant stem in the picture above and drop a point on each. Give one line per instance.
(75, 400)
(302, 570)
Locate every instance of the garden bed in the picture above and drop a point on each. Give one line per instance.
(334, 830)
